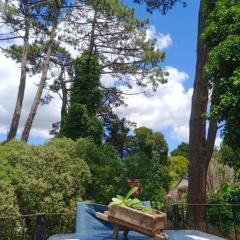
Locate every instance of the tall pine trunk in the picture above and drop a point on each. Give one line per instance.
(45, 67)
(201, 139)
(21, 90)
(64, 94)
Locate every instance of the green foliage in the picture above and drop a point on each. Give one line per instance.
(223, 20)
(86, 98)
(35, 57)
(227, 193)
(8, 199)
(129, 202)
(55, 180)
(79, 123)
(53, 177)
(161, 5)
(146, 159)
(230, 156)
(8, 207)
(223, 70)
(108, 171)
(116, 132)
(178, 168)
(181, 150)
(222, 216)
(10, 175)
(48, 178)
(12, 151)
(85, 89)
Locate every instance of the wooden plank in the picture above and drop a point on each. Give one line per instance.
(115, 231)
(102, 216)
(160, 237)
(131, 226)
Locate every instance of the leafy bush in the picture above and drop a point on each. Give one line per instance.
(54, 180)
(8, 178)
(8, 197)
(223, 216)
(146, 159)
(178, 168)
(8, 200)
(108, 171)
(48, 178)
(13, 151)
(54, 176)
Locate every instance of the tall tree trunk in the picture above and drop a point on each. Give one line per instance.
(92, 38)
(21, 90)
(201, 144)
(45, 67)
(64, 94)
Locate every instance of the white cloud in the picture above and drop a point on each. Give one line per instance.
(107, 80)
(218, 142)
(46, 115)
(162, 41)
(181, 132)
(169, 107)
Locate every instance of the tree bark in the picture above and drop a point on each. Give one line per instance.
(45, 67)
(64, 94)
(21, 90)
(201, 143)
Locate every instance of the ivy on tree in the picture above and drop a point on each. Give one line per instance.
(85, 99)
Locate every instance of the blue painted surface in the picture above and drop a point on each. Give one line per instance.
(88, 227)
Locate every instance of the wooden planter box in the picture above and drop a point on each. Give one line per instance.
(150, 224)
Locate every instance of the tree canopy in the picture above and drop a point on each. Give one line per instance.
(223, 70)
(147, 160)
(181, 150)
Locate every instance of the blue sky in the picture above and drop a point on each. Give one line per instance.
(181, 23)
(170, 107)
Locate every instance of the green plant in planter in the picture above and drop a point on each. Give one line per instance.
(126, 201)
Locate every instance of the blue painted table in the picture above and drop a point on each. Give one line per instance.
(88, 227)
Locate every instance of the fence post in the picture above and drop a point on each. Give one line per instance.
(206, 225)
(61, 224)
(1, 229)
(23, 228)
(183, 217)
(176, 216)
(40, 227)
(234, 222)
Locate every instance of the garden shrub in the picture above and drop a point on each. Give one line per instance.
(8, 177)
(8, 199)
(147, 159)
(54, 180)
(223, 215)
(107, 169)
